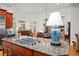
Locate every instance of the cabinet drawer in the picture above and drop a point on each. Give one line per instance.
(4, 43)
(15, 53)
(35, 53)
(23, 51)
(7, 44)
(9, 52)
(4, 51)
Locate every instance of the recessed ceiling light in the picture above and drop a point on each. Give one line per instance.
(57, 3)
(40, 9)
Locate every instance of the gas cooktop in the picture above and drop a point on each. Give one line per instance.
(28, 41)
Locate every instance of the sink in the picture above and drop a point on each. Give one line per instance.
(28, 41)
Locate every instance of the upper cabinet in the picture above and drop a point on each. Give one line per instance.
(9, 18)
(3, 12)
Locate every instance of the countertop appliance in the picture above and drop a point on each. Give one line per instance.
(9, 32)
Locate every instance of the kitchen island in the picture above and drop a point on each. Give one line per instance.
(13, 48)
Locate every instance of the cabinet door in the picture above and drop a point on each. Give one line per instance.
(23, 51)
(2, 11)
(9, 52)
(4, 51)
(9, 20)
(15, 53)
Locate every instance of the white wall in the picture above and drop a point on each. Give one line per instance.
(39, 17)
(74, 22)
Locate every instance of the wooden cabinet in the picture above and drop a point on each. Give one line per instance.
(9, 18)
(23, 51)
(9, 52)
(15, 53)
(3, 12)
(35, 53)
(7, 48)
(12, 49)
(15, 50)
(5, 51)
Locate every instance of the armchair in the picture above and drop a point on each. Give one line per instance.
(77, 43)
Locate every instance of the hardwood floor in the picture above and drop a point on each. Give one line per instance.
(1, 53)
(73, 51)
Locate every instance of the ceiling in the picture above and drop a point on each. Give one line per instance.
(34, 8)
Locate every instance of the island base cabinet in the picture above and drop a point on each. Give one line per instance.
(23, 51)
(9, 52)
(15, 53)
(11, 49)
(35, 53)
(4, 51)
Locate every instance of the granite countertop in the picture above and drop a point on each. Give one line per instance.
(45, 47)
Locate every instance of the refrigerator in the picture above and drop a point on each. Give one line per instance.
(2, 27)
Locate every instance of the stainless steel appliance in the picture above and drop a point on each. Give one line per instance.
(9, 32)
(28, 41)
(2, 27)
